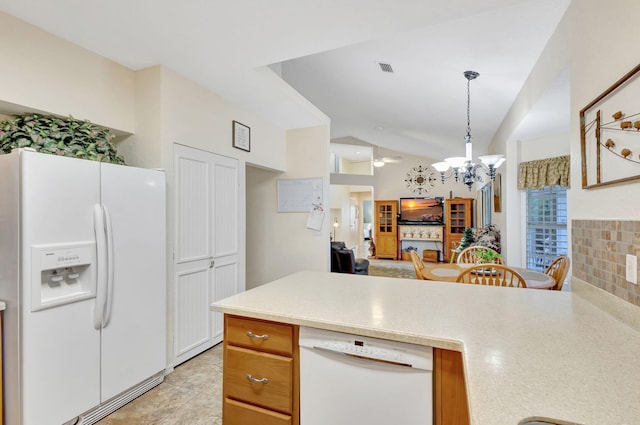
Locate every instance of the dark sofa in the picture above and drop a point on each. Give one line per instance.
(343, 260)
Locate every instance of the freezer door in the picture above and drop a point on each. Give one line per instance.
(60, 348)
(134, 334)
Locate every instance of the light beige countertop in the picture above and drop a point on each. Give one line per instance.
(527, 353)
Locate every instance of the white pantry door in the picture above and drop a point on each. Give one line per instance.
(206, 246)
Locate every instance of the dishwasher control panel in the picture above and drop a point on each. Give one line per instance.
(416, 356)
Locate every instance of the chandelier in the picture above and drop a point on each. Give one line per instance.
(462, 167)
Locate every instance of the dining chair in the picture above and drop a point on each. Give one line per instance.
(418, 265)
(558, 270)
(493, 275)
(472, 254)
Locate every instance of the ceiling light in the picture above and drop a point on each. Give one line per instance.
(463, 167)
(378, 162)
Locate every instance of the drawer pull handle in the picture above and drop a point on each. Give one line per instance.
(252, 335)
(257, 381)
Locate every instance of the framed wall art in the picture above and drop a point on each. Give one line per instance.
(610, 134)
(241, 136)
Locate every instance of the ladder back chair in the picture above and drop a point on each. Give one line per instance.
(558, 270)
(473, 254)
(418, 265)
(492, 275)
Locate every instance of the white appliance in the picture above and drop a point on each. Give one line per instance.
(349, 379)
(82, 271)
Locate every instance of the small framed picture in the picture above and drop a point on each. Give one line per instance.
(241, 136)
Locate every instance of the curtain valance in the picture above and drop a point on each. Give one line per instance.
(544, 172)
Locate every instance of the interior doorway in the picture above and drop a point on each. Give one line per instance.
(352, 217)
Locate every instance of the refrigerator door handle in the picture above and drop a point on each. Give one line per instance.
(101, 260)
(110, 267)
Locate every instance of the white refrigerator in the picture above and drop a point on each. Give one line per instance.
(82, 271)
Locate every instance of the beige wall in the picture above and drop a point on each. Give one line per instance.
(594, 39)
(160, 108)
(589, 26)
(279, 243)
(553, 61)
(143, 147)
(608, 28)
(390, 179)
(45, 73)
(197, 117)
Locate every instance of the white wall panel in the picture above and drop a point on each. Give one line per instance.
(193, 323)
(193, 210)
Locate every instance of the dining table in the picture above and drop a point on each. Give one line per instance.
(449, 273)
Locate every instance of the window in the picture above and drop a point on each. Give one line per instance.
(546, 226)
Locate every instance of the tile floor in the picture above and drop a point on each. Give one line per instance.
(190, 395)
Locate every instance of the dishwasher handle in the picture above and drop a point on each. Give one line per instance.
(363, 357)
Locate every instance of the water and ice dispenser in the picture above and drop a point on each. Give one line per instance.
(62, 274)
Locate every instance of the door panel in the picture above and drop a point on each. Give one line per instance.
(206, 251)
(225, 206)
(193, 322)
(193, 275)
(193, 209)
(226, 284)
(134, 334)
(61, 349)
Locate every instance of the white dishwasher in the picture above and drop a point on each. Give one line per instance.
(349, 380)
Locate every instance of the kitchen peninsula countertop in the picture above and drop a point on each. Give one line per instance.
(527, 353)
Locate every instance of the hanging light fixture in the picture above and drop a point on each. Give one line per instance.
(378, 161)
(462, 167)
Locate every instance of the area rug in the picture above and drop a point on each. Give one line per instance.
(391, 268)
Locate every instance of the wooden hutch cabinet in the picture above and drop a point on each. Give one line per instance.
(458, 216)
(386, 229)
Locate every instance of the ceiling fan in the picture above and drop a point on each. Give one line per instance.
(379, 161)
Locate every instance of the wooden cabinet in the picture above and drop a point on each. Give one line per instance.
(386, 229)
(458, 216)
(255, 350)
(261, 372)
(450, 398)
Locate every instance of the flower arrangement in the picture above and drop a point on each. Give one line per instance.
(488, 236)
(59, 136)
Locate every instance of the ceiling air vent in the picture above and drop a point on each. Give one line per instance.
(385, 67)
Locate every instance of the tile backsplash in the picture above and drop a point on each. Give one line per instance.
(599, 249)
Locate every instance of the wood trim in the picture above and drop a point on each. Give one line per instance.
(450, 395)
(295, 414)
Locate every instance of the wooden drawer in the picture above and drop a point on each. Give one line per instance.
(276, 394)
(267, 336)
(237, 413)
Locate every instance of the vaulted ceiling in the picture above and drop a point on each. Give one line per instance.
(329, 52)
